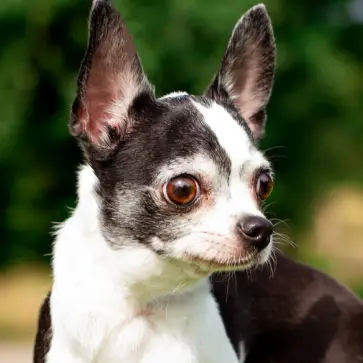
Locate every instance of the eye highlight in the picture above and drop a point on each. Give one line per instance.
(264, 185)
(182, 190)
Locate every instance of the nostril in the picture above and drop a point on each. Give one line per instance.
(252, 230)
(256, 229)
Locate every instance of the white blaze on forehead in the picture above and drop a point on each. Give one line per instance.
(245, 159)
(232, 137)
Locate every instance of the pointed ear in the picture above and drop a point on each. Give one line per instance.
(110, 79)
(247, 70)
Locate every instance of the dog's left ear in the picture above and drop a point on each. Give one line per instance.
(247, 70)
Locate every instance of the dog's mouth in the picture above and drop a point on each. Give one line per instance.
(219, 253)
(241, 263)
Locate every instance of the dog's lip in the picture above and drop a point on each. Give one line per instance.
(212, 263)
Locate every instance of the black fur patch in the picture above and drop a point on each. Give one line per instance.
(44, 333)
(300, 315)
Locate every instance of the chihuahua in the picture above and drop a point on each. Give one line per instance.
(169, 204)
(170, 192)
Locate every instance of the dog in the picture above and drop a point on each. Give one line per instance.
(171, 191)
(169, 204)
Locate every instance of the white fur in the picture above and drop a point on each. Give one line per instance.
(233, 139)
(242, 352)
(175, 94)
(127, 306)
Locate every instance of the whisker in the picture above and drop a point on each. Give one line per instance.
(234, 277)
(281, 238)
(272, 157)
(278, 222)
(228, 281)
(267, 206)
(274, 148)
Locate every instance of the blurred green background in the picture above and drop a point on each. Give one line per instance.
(314, 133)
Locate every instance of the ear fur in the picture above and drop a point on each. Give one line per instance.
(110, 79)
(247, 70)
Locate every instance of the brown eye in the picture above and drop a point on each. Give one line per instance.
(264, 185)
(182, 190)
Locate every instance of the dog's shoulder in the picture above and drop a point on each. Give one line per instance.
(44, 332)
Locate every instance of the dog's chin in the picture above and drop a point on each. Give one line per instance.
(233, 263)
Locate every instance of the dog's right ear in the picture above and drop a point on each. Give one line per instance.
(110, 79)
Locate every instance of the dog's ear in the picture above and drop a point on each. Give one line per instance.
(247, 69)
(110, 79)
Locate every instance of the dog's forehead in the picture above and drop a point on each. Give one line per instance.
(220, 132)
(231, 135)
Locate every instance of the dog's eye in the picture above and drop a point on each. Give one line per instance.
(264, 185)
(181, 190)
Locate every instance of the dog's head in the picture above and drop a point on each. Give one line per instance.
(180, 175)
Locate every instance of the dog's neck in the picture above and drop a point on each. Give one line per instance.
(136, 272)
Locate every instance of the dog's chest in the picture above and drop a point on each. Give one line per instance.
(150, 338)
(97, 318)
(178, 333)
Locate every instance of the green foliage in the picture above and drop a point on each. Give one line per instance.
(315, 111)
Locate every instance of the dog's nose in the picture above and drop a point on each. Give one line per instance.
(255, 230)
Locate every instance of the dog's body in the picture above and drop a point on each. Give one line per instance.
(170, 193)
(300, 315)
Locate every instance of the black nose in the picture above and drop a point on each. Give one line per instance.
(255, 231)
